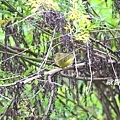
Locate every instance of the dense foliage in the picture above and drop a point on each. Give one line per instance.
(32, 87)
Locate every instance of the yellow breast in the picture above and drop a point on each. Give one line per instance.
(63, 59)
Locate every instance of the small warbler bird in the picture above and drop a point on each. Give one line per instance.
(63, 59)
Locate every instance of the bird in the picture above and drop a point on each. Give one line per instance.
(63, 59)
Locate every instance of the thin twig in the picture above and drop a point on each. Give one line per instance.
(36, 76)
(90, 68)
(5, 97)
(1, 117)
(49, 49)
(51, 98)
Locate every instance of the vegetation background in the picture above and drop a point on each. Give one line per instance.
(32, 87)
